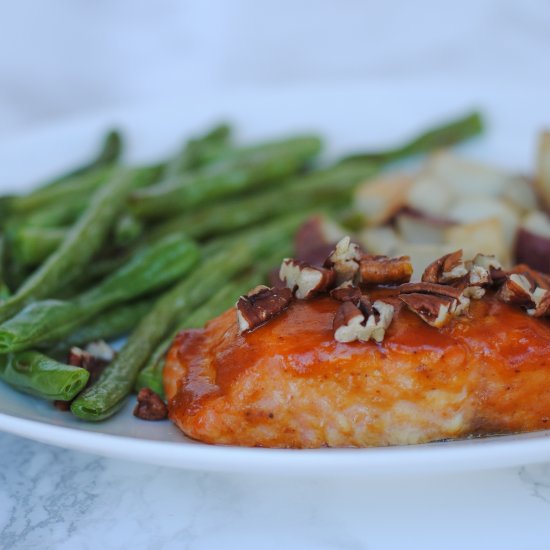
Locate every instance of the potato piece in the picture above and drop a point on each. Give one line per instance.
(467, 178)
(380, 199)
(537, 222)
(484, 236)
(421, 229)
(475, 209)
(381, 240)
(542, 180)
(533, 243)
(430, 196)
(520, 193)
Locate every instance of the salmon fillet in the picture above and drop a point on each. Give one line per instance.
(289, 384)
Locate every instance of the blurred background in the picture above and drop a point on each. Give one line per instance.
(66, 57)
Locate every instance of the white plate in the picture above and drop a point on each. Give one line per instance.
(351, 118)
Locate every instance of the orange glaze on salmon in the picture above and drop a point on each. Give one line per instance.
(290, 384)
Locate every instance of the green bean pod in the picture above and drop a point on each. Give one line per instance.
(108, 325)
(34, 373)
(82, 242)
(245, 170)
(444, 135)
(151, 269)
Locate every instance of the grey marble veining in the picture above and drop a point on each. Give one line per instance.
(53, 498)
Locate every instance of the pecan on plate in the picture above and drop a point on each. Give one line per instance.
(305, 280)
(261, 304)
(150, 406)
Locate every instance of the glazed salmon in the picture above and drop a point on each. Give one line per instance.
(290, 384)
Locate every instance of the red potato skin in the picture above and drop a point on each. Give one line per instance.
(289, 384)
(533, 250)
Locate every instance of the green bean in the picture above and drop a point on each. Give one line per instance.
(330, 187)
(4, 289)
(82, 242)
(243, 171)
(31, 245)
(444, 135)
(127, 230)
(151, 269)
(108, 325)
(34, 373)
(199, 151)
(107, 395)
(75, 187)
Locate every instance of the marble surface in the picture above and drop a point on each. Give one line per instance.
(52, 498)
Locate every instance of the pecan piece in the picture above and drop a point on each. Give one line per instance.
(348, 323)
(346, 292)
(382, 270)
(443, 302)
(150, 406)
(517, 290)
(303, 279)
(261, 304)
(436, 310)
(541, 298)
(94, 364)
(445, 269)
(344, 260)
(362, 321)
(430, 288)
(521, 289)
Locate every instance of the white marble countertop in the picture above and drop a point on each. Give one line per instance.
(53, 498)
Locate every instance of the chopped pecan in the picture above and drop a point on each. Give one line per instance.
(93, 364)
(430, 288)
(150, 406)
(542, 303)
(348, 323)
(362, 321)
(470, 277)
(487, 261)
(303, 279)
(382, 270)
(101, 350)
(521, 289)
(517, 290)
(436, 310)
(261, 304)
(442, 303)
(536, 278)
(344, 259)
(446, 269)
(346, 292)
